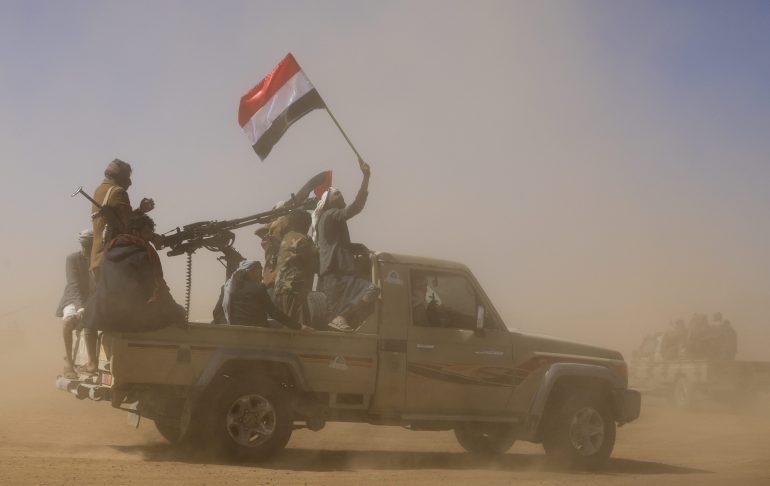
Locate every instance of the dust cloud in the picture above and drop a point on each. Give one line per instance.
(588, 207)
(593, 197)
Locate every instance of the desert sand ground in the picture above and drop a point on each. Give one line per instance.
(49, 437)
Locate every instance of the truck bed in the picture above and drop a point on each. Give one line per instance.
(329, 361)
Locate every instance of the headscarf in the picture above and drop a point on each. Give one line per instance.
(233, 283)
(317, 212)
(119, 171)
(86, 237)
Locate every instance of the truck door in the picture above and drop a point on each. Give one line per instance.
(452, 369)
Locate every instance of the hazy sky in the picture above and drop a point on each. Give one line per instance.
(602, 167)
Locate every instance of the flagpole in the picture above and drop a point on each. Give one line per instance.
(360, 159)
(339, 127)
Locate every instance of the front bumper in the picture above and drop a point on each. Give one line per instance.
(628, 405)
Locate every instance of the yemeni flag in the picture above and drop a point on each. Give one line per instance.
(270, 107)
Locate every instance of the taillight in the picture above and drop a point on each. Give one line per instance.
(105, 378)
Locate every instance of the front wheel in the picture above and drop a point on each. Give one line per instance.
(251, 420)
(580, 433)
(485, 438)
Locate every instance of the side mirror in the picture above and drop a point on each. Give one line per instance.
(480, 319)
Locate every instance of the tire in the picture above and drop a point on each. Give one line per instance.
(169, 429)
(251, 420)
(683, 394)
(580, 432)
(486, 439)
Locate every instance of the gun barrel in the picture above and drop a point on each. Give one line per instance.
(85, 195)
(196, 235)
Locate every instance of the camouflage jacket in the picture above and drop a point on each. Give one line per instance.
(297, 264)
(271, 244)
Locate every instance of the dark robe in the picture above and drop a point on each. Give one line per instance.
(250, 305)
(131, 294)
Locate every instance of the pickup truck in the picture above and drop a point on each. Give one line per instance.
(434, 356)
(687, 381)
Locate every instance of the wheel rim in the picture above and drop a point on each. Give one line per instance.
(587, 431)
(251, 420)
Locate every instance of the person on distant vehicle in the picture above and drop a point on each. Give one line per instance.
(729, 341)
(350, 297)
(246, 302)
(112, 194)
(697, 334)
(131, 294)
(296, 268)
(76, 291)
(673, 341)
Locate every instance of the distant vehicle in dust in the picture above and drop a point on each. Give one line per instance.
(693, 362)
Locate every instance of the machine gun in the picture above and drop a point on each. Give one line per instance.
(218, 236)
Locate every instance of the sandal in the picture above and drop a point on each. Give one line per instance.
(83, 369)
(339, 323)
(69, 373)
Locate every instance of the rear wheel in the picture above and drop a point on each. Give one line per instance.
(580, 433)
(251, 420)
(485, 438)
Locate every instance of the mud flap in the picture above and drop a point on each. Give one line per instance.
(133, 417)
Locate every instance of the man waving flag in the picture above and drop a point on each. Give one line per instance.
(270, 107)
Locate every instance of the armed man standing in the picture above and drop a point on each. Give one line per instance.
(111, 195)
(350, 297)
(110, 221)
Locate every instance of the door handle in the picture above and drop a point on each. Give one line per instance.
(425, 346)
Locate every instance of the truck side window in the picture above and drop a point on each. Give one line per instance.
(442, 300)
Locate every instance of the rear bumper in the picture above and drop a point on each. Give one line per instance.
(83, 390)
(629, 405)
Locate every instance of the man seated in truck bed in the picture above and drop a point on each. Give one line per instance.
(131, 294)
(246, 301)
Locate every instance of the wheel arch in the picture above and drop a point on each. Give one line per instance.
(562, 378)
(233, 362)
(226, 365)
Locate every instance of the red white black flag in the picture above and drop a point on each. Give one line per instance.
(270, 107)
